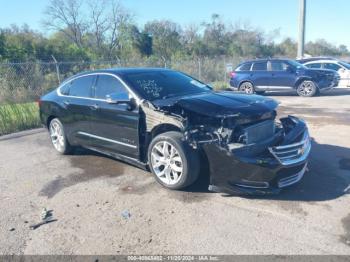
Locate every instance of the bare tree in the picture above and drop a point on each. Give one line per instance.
(166, 36)
(99, 24)
(98, 21)
(67, 17)
(119, 19)
(190, 33)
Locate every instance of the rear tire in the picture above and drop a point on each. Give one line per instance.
(58, 137)
(174, 164)
(307, 88)
(247, 88)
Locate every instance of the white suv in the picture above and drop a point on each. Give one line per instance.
(341, 67)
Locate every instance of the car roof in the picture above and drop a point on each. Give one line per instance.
(265, 60)
(120, 71)
(322, 61)
(306, 60)
(125, 70)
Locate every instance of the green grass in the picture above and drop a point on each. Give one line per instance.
(220, 85)
(17, 117)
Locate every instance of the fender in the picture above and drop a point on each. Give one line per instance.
(152, 123)
(246, 80)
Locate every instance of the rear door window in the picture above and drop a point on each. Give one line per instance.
(314, 65)
(82, 86)
(65, 88)
(331, 66)
(260, 66)
(278, 66)
(245, 67)
(107, 85)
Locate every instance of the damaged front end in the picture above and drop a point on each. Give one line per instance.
(262, 166)
(249, 152)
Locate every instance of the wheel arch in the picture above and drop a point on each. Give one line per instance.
(49, 119)
(162, 128)
(157, 130)
(245, 81)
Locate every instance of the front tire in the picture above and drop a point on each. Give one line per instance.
(58, 137)
(247, 88)
(173, 162)
(307, 88)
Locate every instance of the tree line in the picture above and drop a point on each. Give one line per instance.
(77, 30)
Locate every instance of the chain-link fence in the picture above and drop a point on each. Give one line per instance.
(26, 82)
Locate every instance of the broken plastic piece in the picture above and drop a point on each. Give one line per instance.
(126, 214)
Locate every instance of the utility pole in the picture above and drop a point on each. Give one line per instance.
(302, 14)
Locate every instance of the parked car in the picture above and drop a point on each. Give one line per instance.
(258, 76)
(314, 58)
(173, 124)
(341, 67)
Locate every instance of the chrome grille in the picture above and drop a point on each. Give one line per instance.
(293, 153)
(287, 181)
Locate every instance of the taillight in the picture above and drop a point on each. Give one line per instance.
(39, 102)
(232, 74)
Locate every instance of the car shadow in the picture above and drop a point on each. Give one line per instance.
(338, 92)
(202, 183)
(328, 177)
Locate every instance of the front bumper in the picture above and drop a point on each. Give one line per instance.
(263, 168)
(328, 85)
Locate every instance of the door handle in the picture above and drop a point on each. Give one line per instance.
(94, 107)
(66, 103)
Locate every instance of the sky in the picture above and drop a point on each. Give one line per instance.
(328, 19)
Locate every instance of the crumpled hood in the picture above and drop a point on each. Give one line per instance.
(224, 104)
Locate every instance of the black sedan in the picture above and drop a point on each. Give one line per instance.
(169, 122)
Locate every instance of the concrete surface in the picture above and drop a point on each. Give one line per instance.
(88, 193)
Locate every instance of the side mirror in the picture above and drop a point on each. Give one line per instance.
(118, 98)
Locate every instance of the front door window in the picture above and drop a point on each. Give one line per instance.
(107, 85)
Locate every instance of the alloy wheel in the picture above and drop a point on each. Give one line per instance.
(166, 163)
(306, 88)
(247, 88)
(57, 137)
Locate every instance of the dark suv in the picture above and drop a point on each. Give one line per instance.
(258, 76)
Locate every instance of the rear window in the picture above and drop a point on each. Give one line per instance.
(244, 67)
(260, 66)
